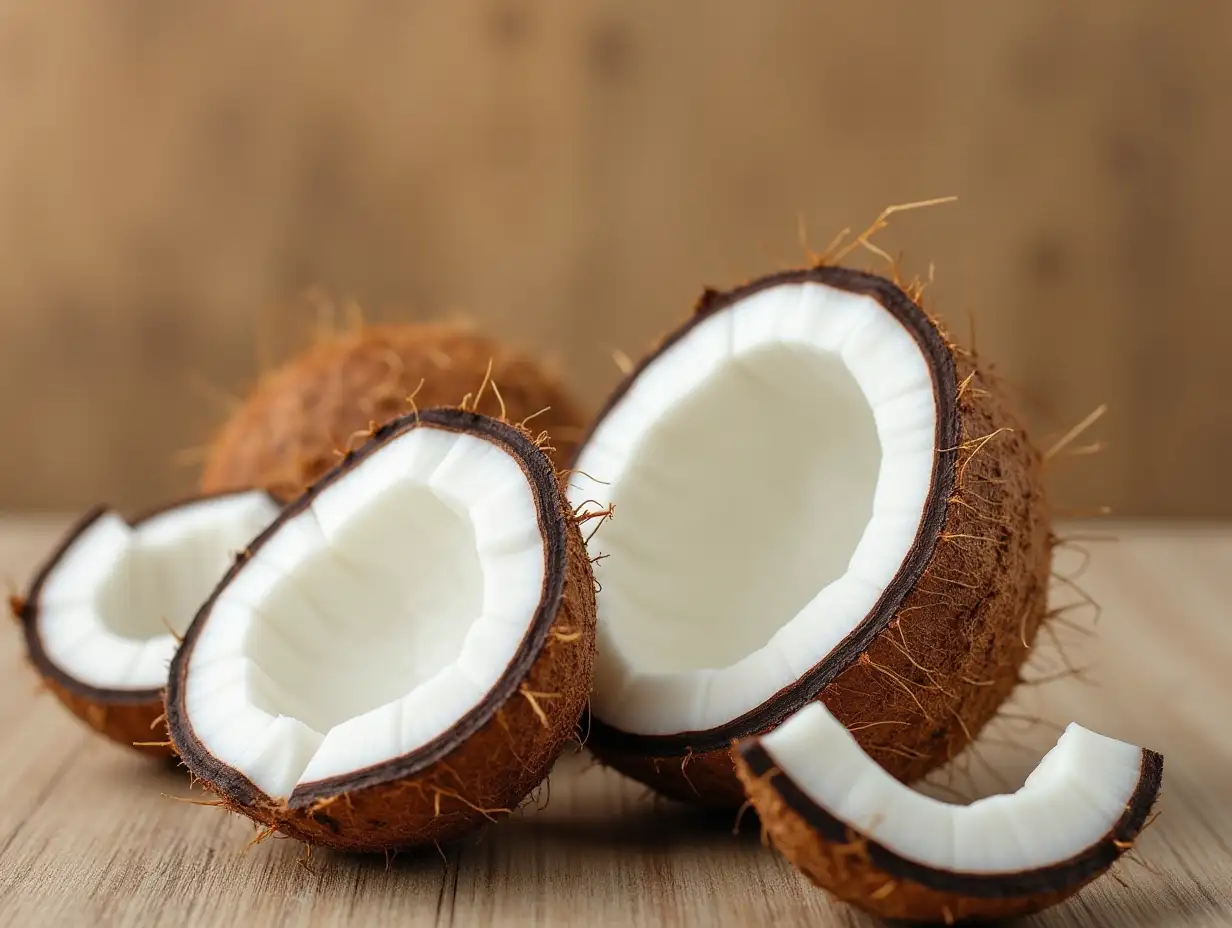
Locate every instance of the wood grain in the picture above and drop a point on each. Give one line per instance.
(571, 173)
(91, 834)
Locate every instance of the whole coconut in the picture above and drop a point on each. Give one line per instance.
(291, 428)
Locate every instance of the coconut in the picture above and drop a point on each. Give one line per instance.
(852, 829)
(103, 615)
(817, 495)
(404, 652)
(302, 415)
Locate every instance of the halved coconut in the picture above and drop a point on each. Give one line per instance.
(103, 614)
(287, 432)
(404, 652)
(852, 829)
(817, 496)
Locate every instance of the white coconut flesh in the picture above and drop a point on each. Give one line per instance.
(367, 624)
(1072, 800)
(769, 471)
(111, 607)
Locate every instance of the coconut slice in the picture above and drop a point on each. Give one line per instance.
(404, 652)
(817, 495)
(852, 829)
(103, 614)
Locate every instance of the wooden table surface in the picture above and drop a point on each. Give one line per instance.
(92, 834)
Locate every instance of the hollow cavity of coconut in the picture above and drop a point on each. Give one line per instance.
(103, 614)
(853, 830)
(402, 655)
(289, 430)
(818, 496)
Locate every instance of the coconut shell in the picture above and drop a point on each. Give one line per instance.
(289, 430)
(942, 649)
(491, 760)
(136, 724)
(124, 716)
(865, 873)
(129, 717)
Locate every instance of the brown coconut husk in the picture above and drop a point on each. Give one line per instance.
(300, 417)
(134, 724)
(859, 870)
(491, 760)
(943, 648)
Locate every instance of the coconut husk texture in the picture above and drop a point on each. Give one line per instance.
(498, 752)
(291, 428)
(134, 723)
(864, 873)
(943, 648)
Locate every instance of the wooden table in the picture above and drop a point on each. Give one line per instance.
(92, 834)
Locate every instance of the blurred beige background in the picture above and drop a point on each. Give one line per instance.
(174, 178)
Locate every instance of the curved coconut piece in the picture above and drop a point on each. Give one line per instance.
(402, 655)
(817, 496)
(852, 829)
(285, 434)
(103, 614)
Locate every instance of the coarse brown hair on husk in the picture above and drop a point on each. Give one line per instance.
(859, 870)
(943, 647)
(302, 415)
(497, 753)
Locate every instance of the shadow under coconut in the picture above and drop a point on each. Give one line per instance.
(410, 863)
(662, 825)
(587, 803)
(580, 811)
